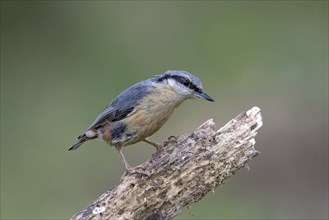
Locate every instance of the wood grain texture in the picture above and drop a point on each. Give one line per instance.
(182, 172)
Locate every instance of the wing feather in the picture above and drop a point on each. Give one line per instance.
(123, 105)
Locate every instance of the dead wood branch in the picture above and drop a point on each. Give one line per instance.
(180, 173)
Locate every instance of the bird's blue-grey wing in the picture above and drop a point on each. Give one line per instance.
(124, 104)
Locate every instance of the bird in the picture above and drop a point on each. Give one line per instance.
(141, 110)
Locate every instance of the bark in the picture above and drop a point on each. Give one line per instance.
(182, 172)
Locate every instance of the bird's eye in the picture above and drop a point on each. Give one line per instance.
(185, 83)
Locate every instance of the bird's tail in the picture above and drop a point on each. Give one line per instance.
(88, 135)
(80, 140)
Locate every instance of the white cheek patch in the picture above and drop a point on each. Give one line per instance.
(172, 83)
(180, 89)
(90, 133)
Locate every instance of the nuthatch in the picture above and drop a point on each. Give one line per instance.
(142, 109)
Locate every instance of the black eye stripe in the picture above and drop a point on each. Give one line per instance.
(186, 83)
(181, 80)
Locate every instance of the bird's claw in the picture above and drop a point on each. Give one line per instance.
(171, 139)
(131, 170)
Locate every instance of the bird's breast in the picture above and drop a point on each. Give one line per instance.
(150, 115)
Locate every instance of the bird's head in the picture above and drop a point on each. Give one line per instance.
(184, 84)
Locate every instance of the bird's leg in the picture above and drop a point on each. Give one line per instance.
(127, 166)
(154, 144)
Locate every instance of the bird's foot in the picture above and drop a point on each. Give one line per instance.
(132, 170)
(171, 139)
(154, 144)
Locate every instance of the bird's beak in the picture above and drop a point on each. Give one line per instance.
(204, 95)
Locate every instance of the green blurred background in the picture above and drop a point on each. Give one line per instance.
(63, 61)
